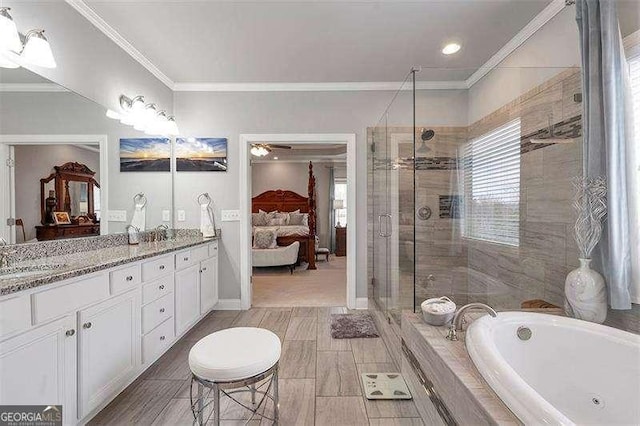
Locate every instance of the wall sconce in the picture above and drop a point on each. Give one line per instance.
(144, 117)
(35, 50)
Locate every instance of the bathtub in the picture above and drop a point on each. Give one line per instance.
(568, 371)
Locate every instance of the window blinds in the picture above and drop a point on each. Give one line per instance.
(491, 166)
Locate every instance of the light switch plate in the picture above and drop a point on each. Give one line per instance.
(182, 216)
(117, 216)
(166, 215)
(230, 215)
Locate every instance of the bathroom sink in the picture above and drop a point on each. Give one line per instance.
(13, 272)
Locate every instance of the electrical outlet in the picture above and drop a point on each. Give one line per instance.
(182, 216)
(117, 216)
(230, 215)
(166, 215)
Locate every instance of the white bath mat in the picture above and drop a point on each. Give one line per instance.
(385, 386)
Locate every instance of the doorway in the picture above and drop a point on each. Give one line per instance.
(246, 231)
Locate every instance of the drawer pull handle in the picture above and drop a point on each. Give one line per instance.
(70, 333)
(129, 278)
(161, 267)
(186, 259)
(161, 337)
(204, 269)
(161, 287)
(162, 310)
(87, 325)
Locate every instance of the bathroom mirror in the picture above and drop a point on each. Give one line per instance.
(48, 131)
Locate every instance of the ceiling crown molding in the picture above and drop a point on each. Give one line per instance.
(316, 87)
(117, 38)
(548, 13)
(31, 87)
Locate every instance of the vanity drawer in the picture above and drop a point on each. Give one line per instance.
(184, 259)
(156, 312)
(154, 342)
(155, 289)
(124, 279)
(155, 268)
(70, 297)
(15, 315)
(213, 249)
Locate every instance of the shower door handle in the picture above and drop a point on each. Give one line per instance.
(389, 226)
(380, 234)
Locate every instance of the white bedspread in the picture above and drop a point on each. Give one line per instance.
(286, 231)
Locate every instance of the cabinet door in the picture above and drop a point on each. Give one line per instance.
(208, 284)
(187, 293)
(38, 367)
(109, 348)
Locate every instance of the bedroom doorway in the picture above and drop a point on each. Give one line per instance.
(295, 216)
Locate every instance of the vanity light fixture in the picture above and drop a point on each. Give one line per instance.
(259, 150)
(451, 48)
(36, 49)
(144, 117)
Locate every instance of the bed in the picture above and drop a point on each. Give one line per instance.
(285, 201)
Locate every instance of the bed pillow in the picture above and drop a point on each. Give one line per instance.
(296, 219)
(264, 239)
(259, 219)
(277, 221)
(269, 215)
(305, 219)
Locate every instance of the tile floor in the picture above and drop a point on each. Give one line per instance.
(319, 376)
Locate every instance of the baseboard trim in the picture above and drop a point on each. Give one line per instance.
(362, 303)
(228, 305)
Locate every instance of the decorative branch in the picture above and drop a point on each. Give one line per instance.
(590, 203)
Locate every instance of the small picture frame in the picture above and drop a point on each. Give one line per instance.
(61, 218)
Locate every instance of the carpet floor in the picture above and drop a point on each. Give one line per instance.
(326, 286)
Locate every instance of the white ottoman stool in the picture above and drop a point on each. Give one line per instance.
(232, 361)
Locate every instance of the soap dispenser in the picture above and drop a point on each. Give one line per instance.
(134, 235)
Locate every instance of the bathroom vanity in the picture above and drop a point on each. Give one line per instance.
(81, 332)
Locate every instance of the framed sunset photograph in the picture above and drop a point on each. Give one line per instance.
(145, 155)
(201, 154)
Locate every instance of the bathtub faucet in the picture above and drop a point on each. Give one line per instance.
(456, 324)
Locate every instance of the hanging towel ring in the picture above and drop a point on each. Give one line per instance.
(204, 198)
(140, 197)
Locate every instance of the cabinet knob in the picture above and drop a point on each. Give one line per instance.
(86, 325)
(161, 287)
(129, 278)
(161, 267)
(162, 310)
(161, 337)
(70, 333)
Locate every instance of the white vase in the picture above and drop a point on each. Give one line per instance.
(585, 294)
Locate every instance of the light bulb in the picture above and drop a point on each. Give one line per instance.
(112, 114)
(9, 37)
(451, 48)
(172, 126)
(37, 50)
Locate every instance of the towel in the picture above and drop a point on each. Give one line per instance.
(207, 222)
(139, 215)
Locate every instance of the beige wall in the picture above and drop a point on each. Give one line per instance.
(34, 162)
(295, 177)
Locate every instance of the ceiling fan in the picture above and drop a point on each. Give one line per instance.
(263, 149)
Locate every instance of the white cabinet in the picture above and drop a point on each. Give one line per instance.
(39, 367)
(208, 284)
(187, 297)
(109, 348)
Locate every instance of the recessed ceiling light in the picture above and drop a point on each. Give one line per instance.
(451, 48)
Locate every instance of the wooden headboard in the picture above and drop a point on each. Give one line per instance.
(280, 200)
(289, 201)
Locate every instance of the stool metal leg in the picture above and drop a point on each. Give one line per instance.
(276, 400)
(253, 394)
(200, 404)
(216, 405)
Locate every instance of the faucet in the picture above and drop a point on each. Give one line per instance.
(159, 232)
(3, 242)
(458, 319)
(4, 259)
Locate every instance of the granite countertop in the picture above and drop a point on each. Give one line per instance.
(58, 268)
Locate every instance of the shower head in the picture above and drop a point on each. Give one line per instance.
(427, 134)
